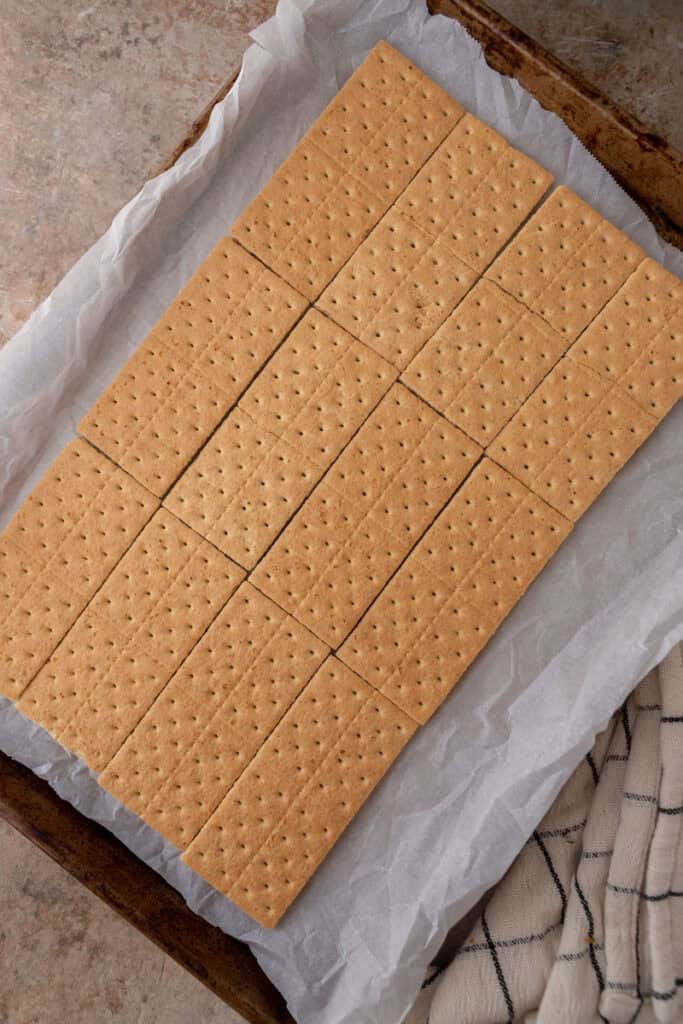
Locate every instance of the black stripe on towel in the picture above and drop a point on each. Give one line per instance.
(498, 969)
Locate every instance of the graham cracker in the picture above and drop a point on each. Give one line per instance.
(637, 339)
(131, 638)
(362, 519)
(397, 288)
(292, 422)
(242, 488)
(318, 388)
(214, 714)
(299, 793)
(566, 263)
(571, 437)
(347, 170)
(453, 591)
(655, 380)
(484, 361)
(193, 366)
(474, 192)
(57, 550)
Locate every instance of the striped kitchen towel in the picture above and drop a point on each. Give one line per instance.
(587, 925)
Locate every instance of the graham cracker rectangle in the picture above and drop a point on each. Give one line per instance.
(655, 380)
(212, 717)
(308, 780)
(267, 456)
(130, 639)
(57, 550)
(453, 591)
(484, 361)
(363, 518)
(347, 170)
(637, 339)
(327, 565)
(397, 288)
(474, 192)
(318, 388)
(571, 437)
(193, 366)
(403, 465)
(566, 263)
(242, 488)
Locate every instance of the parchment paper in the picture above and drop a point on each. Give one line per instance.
(468, 791)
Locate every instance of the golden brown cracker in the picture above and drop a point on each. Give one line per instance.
(193, 366)
(267, 456)
(637, 339)
(454, 590)
(565, 263)
(573, 435)
(130, 639)
(474, 192)
(378, 498)
(397, 288)
(484, 361)
(302, 789)
(346, 171)
(214, 714)
(57, 550)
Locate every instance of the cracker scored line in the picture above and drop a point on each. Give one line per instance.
(299, 793)
(565, 263)
(213, 715)
(426, 253)
(286, 430)
(56, 552)
(636, 340)
(365, 515)
(133, 635)
(484, 361)
(454, 590)
(572, 437)
(347, 170)
(474, 192)
(192, 367)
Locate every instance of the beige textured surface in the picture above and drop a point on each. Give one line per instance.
(573, 435)
(95, 97)
(484, 361)
(263, 461)
(300, 792)
(454, 590)
(380, 495)
(193, 366)
(566, 262)
(474, 192)
(214, 714)
(397, 288)
(67, 958)
(637, 339)
(60, 546)
(133, 635)
(339, 180)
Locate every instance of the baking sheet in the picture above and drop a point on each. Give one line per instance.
(464, 796)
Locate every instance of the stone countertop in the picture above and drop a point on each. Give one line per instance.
(94, 96)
